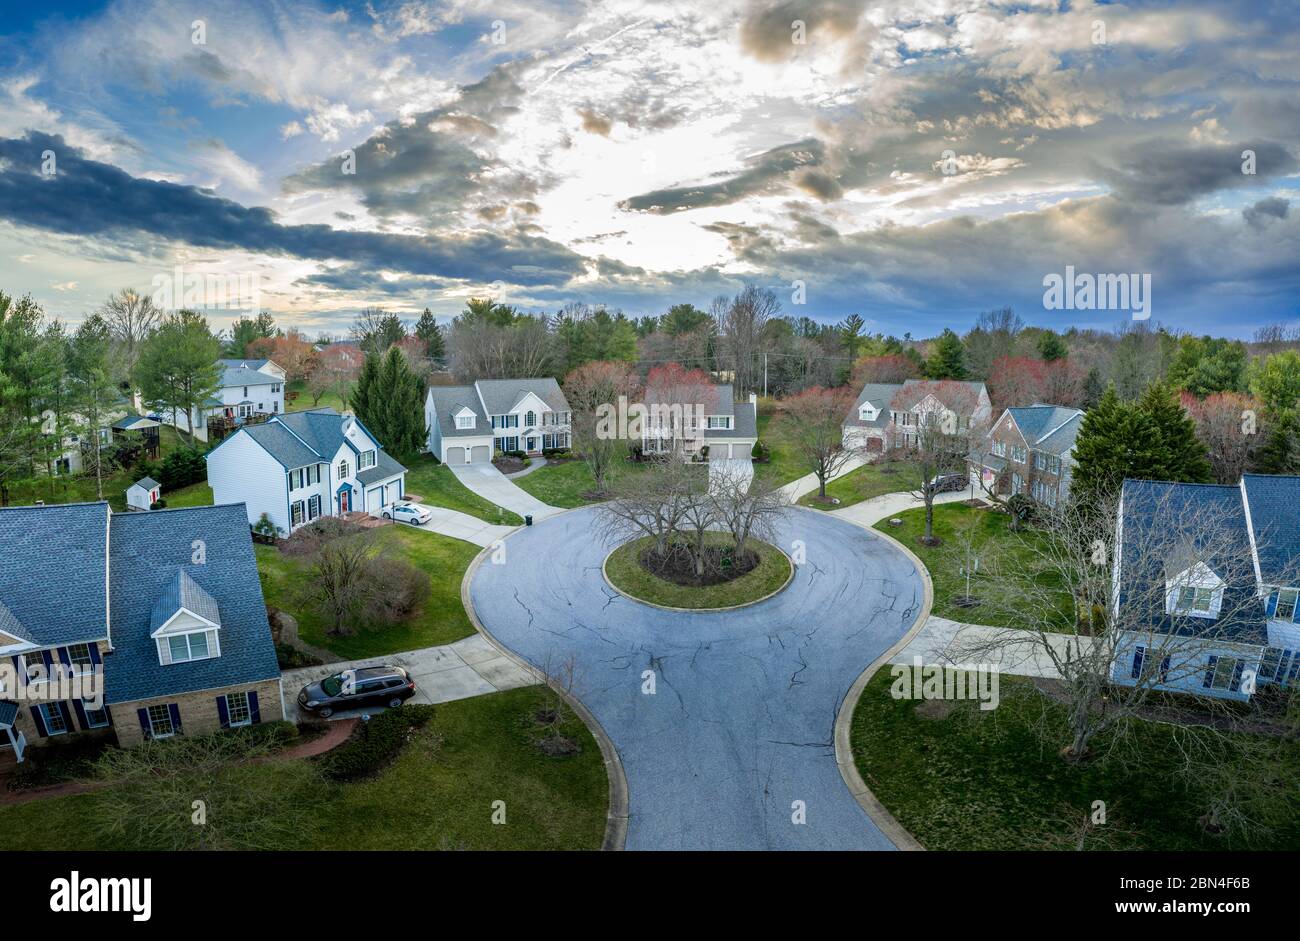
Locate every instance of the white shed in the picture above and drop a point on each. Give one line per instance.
(143, 494)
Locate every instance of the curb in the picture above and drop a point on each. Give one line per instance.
(879, 815)
(731, 607)
(616, 817)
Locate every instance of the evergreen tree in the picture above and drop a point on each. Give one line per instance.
(1185, 452)
(364, 400)
(92, 391)
(390, 402)
(1051, 347)
(177, 369)
(430, 334)
(947, 360)
(1281, 452)
(1116, 440)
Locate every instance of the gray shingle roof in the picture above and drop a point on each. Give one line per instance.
(132, 421)
(1061, 439)
(1275, 518)
(245, 372)
(183, 592)
(148, 483)
(52, 571)
(744, 423)
(149, 551)
(282, 445)
(501, 395)
(914, 390)
(385, 467)
(448, 400)
(8, 712)
(879, 394)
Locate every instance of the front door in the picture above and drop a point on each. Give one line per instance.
(345, 501)
(532, 444)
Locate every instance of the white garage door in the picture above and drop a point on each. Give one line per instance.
(482, 454)
(455, 455)
(394, 492)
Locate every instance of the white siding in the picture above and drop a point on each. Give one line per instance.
(240, 471)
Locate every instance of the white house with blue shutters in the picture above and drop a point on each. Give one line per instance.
(155, 620)
(300, 466)
(467, 424)
(1213, 613)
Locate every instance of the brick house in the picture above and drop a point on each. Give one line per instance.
(161, 613)
(1029, 451)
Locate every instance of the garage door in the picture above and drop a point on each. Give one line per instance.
(455, 455)
(482, 454)
(394, 492)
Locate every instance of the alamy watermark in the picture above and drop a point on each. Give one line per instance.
(1122, 291)
(59, 682)
(193, 290)
(977, 682)
(657, 422)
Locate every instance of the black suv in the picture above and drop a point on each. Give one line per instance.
(355, 689)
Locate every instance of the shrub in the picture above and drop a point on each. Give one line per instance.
(264, 527)
(291, 658)
(57, 762)
(398, 589)
(375, 743)
(181, 468)
(159, 504)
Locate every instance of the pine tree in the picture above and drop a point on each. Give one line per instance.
(946, 362)
(1186, 455)
(1116, 440)
(430, 334)
(364, 400)
(1281, 453)
(1051, 347)
(390, 402)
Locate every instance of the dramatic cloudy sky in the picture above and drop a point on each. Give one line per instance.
(643, 153)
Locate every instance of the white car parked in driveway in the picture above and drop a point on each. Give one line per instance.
(407, 513)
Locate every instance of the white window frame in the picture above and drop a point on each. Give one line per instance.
(189, 647)
(230, 710)
(367, 459)
(167, 713)
(80, 668)
(1231, 664)
(48, 710)
(1194, 607)
(90, 723)
(343, 469)
(34, 659)
(464, 422)
(1295, 599)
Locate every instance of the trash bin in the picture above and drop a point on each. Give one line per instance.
(528, 520)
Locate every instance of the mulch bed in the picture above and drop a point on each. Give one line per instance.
(508, 465)
(720, 566)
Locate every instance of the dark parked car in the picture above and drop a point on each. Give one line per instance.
(355, 689)
(948, 482)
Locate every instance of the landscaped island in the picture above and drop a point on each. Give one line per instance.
(727, 580)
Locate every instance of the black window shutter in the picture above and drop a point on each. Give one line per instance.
(143, 714)
(222, 712)
(253, 712)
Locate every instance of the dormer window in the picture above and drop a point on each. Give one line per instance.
(464, 420)
(1284, 608)
(1195, 600)
(720, 421)
(367, 459)
(186, 647)
(185, 622)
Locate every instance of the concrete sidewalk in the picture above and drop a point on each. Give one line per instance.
(469, 667)
(493, 486)
(808, 482)
(1014, 651)
(459, 525)
(872, 511)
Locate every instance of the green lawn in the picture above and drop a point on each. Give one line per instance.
(974, 780)
(627, 573)
(199, 494)
(863, 483)
(442, 621)
(303, 400)
(998, 549)
(437, 486)
(437, 795)
(784, 465)
(563, 484)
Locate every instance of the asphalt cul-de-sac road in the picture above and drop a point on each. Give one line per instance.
(739, 728)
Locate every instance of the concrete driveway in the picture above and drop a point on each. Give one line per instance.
(738, 733)
(458, 525)
(490, 484)
(729, 469)
(466, 668)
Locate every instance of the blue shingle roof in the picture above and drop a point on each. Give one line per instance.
(52, 571)
(1274, 504)
(8, 712)
(1159, 542)
(10, 625)
(183, 592)
(150, 553)
(281, 444)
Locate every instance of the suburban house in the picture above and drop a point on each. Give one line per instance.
(1206, 586)
(143, 494)
(70, 456)
(727, 428)
(250, 389)
(888, 415)
(1029, 451)
(161, 613)
(302, 465)
(468, 424)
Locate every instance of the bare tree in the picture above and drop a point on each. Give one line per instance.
(678, 402)
(339, 586)
(131, 318)
(1232, 428)
(747, 509)
(942, 426)
(591, 390)
(813, 425)
(742, 324)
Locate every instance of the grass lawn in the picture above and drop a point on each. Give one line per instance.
(442, 621)
(437, 795)
(438, 486)
(199, 494)
(784, 465)
(865, 482)
(975, 780)
(564, 484)
(303, 400)
(627, 573)
(997, 548)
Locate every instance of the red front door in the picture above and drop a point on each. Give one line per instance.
(345, 501)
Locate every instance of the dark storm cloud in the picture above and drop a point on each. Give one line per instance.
(89, 198)
(1272, 207)
(767, 171)
(766, 33)
(1170, 173)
